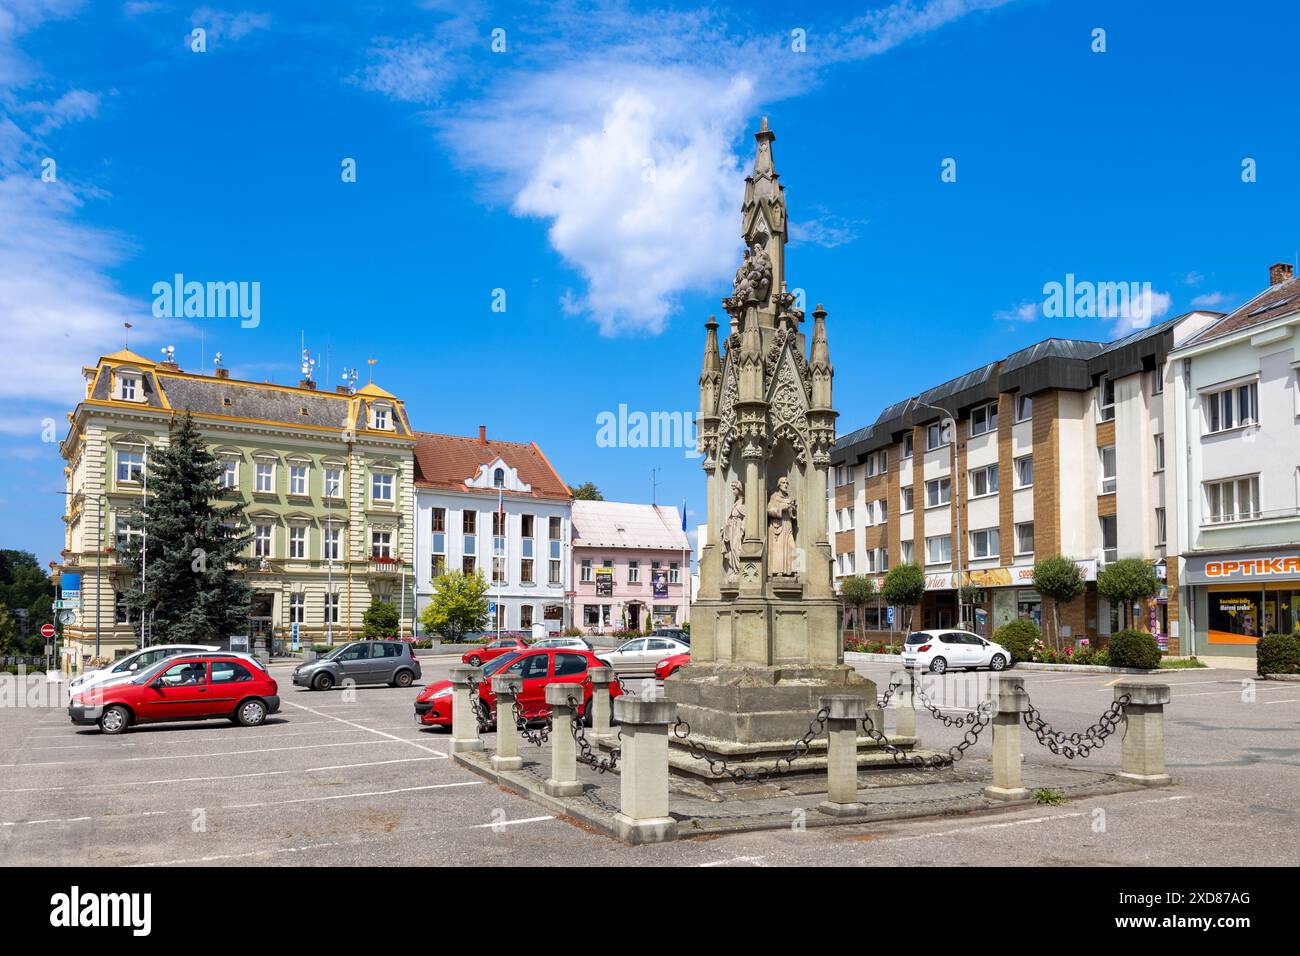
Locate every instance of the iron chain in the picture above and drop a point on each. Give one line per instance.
(719, 768)
(1079, 744)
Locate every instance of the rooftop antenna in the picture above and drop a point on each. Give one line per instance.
(654, 486)
(169, 354)
(216, 360)
(350, 377)
(126, 336)
(308, 365)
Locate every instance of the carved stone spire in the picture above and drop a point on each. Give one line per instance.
(711, 371)
(819, 361)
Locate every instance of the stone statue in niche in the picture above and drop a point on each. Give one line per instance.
(760, 273)
(733, 533)
(782, 518)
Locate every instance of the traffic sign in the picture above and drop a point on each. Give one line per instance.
(47, 630)
(492, 607)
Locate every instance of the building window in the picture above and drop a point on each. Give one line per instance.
(984, 543)
(333, 536)
(381, 487)
(1232, 408)
(584, 571)
(868, 466)
(468, 565)
(1025, 538)
(469, 522)
(526, 617)
(266, 478)
(883, 511)
(1024, 408)
(262, 541)
(297, 608)
(438, 567)
(984, 419)
(123, 532)
(127, 387)
(984, 481)
(938, 491)
(935, 436)
(333, 482)
(332, 608)
(298, 479)
(498, 569)
(130, 466)
(439, 521)
(121, 610)
(907, 445)
(591, 615)
(381, 417)
(1109, 539)
(1024, 471)
(634, 572)
(526, 570)
(1236, 499)
(1158, 379)
(499, 478)
(674, 573)
(938, 550)
(1160, 527)
(298, 541)
(1107, 469)
(1160, 453)
(907, 551)
(229, 477)
(907, 499)
(1106, 399)
(381, 544)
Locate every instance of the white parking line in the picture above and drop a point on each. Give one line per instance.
(508, 823)
(400, 740)
(746, 860)
(220, 753)
(129, 743)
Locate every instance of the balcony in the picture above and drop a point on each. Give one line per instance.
(383, 566)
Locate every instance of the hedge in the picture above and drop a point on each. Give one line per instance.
(1018, 637)
(1278, 654)
(1130, 648)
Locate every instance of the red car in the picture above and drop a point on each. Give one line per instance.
(493, 650)
(670, 664)
(190, 687)
(537, 667)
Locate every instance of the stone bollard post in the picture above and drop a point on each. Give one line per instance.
(1144, 735)
(1011, 701)
(905, 709)
(846, 712)
(601, 678)
(464, 728)
(563, 781)
(507, 690)
(643, 766)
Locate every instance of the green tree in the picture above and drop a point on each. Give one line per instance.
(587, 491)
(8, 634)
(459, 605)
(193, 590)
(904, 588)
(380, 620)
(25, 585)
(858, 591)
(1060, 579)
(1128, 580)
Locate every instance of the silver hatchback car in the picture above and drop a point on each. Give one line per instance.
(361, 662)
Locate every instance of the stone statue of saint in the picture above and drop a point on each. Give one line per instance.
(782, 515)
(733, 532)
(760, 273)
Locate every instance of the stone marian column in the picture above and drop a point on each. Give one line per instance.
(507, 756)
(1011, 701)
(563, 781)
(845, 714)
(601, 678)
(643, 766)
(1144, 735)
(464, 728)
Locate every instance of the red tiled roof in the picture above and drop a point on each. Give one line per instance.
(446, 461)
(1273, 303)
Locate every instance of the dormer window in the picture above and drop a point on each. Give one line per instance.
(129, 388)
(499, 478)
(380, 417)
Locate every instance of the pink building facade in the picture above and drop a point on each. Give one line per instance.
(631, 567)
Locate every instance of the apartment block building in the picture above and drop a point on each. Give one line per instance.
(1058, 448)
(498, 507)
(325, 479)
(1235, 451)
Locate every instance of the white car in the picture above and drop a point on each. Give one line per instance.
(639, 656)
(570, 643)
(943, 650)
(132, 664)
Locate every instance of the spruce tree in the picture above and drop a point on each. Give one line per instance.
(193, 590)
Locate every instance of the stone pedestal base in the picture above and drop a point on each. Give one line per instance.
(506, 763)
(655, 830)
(842, 809)
(466, 744)
(561, 788)
(1009, 795)
(1146, 779)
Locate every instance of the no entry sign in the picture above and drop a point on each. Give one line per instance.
(47, 630)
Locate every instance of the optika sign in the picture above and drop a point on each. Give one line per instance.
(1257, 567)
(76, 909)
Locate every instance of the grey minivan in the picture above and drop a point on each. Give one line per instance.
(362, 662)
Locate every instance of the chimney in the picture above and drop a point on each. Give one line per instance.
(482, 434)
(341, 389)
(223, 373)
(306, 383)
(1280, 272)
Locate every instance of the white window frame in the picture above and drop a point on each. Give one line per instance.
(331, 607)
(989, 473)
(381, 542)
(1108, 555)
(264, 545)
(936, 428)
(934, 540)
(134, 462)
(298, 542)
(1020, 465)
(1024, 405)
(298, 607)
(1018, 531)
(1230, 489)
(385, 482)
(908, 549)
(333, 482)
(332, 546)
(264, 469)
(940, 484)
(381, 417)
(299, 479)
(228, 480)
(1161, 527)
(1108, 482)
(127, 386)
(984, 419)
(1106, 410)
(991, 544)
(907, 499)
(1160, 452)
(907, 446)
(1223, 408)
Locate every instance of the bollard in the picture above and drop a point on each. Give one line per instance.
(601, 678)
(643, 766)
(1011, 701)
(464, 728)
(563, 781)
(507, 756)
(1144, 733)
(842, 722)
(905, 709)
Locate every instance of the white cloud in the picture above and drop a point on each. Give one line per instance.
(223, 25)
(1193, 278)
(880, 30)
(824, 228)
(1137, 312)
(72, 106)
(412, 70)
(1210, 300)
(1022, 312)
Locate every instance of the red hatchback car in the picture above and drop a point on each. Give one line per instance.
(493, 650)
(192, 687)
(538, 668)
(669, 664)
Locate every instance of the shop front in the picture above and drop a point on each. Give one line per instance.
(990, 598)
(1239, 596)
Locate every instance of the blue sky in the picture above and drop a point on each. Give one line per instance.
(525, 170)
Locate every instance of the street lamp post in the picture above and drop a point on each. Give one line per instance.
(956, 506)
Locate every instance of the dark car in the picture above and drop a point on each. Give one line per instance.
(676, 633)
(362, 662)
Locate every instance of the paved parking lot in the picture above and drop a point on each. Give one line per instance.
(327, 781)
